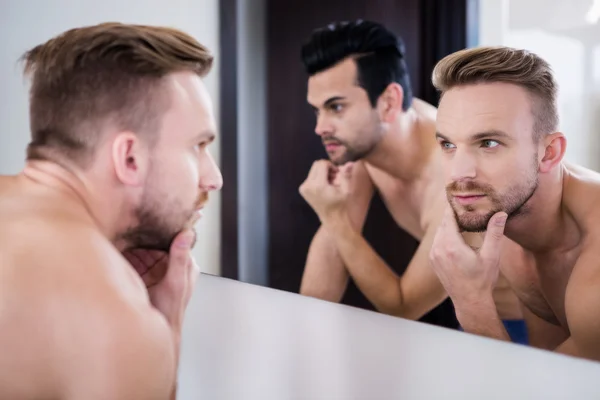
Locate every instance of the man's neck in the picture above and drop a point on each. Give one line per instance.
(544, 226)
(406, 148)
(73, 188)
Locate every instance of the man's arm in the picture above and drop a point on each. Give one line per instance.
(123, 354)
(542, 334)
(470, 275)
(582, 306)
(411, 295)
(325, 275)
(108, 341)
(481, 318)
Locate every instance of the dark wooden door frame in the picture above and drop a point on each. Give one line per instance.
(228, 12)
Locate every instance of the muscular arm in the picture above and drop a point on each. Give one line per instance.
(411, 295)
(542, 334)
(582, 307)
(481, 318)
(325, 275)
(126, 354)
(107, 339)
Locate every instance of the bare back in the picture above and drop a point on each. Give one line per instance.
(58, 279)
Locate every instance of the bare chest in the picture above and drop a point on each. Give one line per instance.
(540, 282)
(406, 203)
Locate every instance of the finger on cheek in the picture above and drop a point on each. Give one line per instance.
(186, 239)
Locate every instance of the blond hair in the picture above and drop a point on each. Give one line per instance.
(110, 73)
(494, 64)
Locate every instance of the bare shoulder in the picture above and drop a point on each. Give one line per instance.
(425, 109)
(69, 298)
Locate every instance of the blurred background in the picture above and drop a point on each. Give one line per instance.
(258, 228)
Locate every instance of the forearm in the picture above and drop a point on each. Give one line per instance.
(325, 276)
(480, 317)
(370, 272)
(177, 351)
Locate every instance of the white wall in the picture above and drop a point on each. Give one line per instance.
(558, 31)
(25, 23)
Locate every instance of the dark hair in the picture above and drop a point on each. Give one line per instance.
(110, 74)
(378, 53)
(490, 64)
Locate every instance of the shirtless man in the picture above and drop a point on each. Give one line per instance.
(117, 169)
(505, 174)
(369, 121)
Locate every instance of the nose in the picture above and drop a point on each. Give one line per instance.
(463, 166)
(211, 178)
(323, 127)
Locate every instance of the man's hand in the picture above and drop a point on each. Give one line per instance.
(468, 276)
(326, 188)
(170, 278)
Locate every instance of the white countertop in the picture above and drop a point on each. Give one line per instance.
(249, 342)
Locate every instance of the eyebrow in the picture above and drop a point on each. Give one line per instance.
(491, 134)
(330, 100)
(207, 135)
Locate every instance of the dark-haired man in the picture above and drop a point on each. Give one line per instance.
(378, 137)
(117, 169)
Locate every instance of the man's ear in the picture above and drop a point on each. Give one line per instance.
(130, 159)
(390, 102)
(553, 148)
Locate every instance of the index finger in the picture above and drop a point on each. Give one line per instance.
(448, 225)
(321, 171)
(315, 169)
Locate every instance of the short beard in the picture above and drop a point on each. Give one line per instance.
(159, 218)
(361, 149)
(514, 204)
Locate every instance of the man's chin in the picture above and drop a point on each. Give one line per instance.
(338, 160)
(472, 221)
(344, 159)
(197, 216)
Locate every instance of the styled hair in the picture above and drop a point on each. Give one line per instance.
(494, 64)
(108, 75)
(378, 53)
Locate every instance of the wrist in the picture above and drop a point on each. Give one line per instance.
(336, 220)
(176, 334)
(475, 306)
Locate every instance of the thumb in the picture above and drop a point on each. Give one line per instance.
(180, 251)
(346, 176)
(490, 248)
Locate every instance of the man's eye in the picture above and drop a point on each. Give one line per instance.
(490, 143)
(336, 107)
(446, 145)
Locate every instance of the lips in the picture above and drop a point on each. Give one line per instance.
(467, 198)
(330, 146)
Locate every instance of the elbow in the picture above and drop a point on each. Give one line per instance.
(399, 311)
(395, 307)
